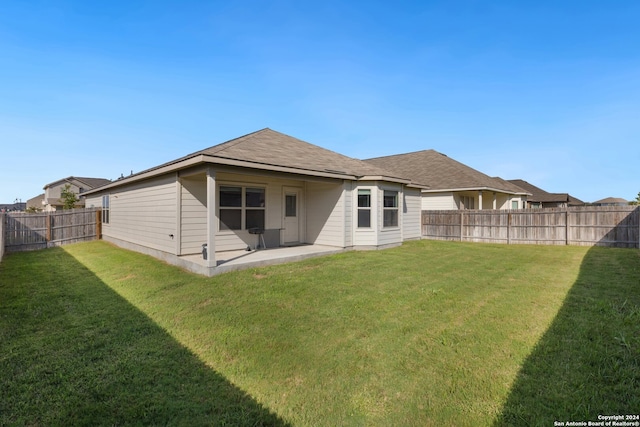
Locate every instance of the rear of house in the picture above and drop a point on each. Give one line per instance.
(288, 191)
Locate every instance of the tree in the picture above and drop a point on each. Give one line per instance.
(637, 200)
(69, 198)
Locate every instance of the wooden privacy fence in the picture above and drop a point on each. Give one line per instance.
(29, 231)
(616, 226)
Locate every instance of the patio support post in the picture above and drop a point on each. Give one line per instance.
(211, 217)
(495, 201)
(480, 200)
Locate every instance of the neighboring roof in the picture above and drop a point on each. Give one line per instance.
(612, 200)
(90, 183)
(515, 188)
(442, 173)
(539, 195)
(573, 201)
(36, 202)
(270, 150)
(18, 206)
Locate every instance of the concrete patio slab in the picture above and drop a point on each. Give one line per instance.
(242, 259)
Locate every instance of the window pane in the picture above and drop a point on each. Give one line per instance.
(255, 218)
(230, 219)
(290, 205)
(364, 217)
(390, 218)
(390, 199)
(231, 196)
(364, 198)
(255, 197)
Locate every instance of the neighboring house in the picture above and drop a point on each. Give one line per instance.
(452, 185)
(13, 207)
(298, 193)
(52, 192)
(36, 203)
(611, 201)
(541, 199)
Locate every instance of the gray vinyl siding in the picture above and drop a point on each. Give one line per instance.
(438, 201)
(145, 213)
(411, 214)
(93, 201)
(325, 214)
(348, 213)
(193, 218)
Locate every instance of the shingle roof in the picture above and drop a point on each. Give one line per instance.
(36, 202)
(94, 182)
(269, 147)
(91, 183)
(612, 200)
(441, 172)
(539, 195)
(516, 189)
(270, 150)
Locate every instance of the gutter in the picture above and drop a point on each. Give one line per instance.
(496, 190)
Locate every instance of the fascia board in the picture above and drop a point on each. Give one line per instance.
(443, 190)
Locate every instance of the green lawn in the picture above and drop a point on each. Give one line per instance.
(430, 333)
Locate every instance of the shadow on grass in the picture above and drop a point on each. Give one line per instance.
(588, 362)
(73, 352)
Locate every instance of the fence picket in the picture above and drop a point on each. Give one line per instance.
(617, 226)
(29, 231)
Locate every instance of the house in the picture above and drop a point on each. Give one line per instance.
(611, 201)
(541, 199)
(52, 192)
(452, 185)
(288, 191)
(36, 203)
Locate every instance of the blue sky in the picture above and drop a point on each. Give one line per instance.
(545, 91)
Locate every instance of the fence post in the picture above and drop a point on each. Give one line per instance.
(98, 224)
(2, 220)
(48, 225)
(638, 218)
(566, 227)
(461, 223)
(509, 228)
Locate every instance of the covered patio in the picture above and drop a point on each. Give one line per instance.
(243, 259)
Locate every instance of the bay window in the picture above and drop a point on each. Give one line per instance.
(390, 209)
(364, 208)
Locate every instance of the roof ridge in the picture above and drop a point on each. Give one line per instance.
(405, 154)
(235, 141)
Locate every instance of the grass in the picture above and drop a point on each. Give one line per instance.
(430, 333)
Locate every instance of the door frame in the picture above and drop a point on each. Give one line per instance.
(299, 192)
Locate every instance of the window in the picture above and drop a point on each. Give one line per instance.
(390, 209)
(514, 204)
(105, 209)
(254, 208)
(290, 205)
(241, 205)
(364, 208)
